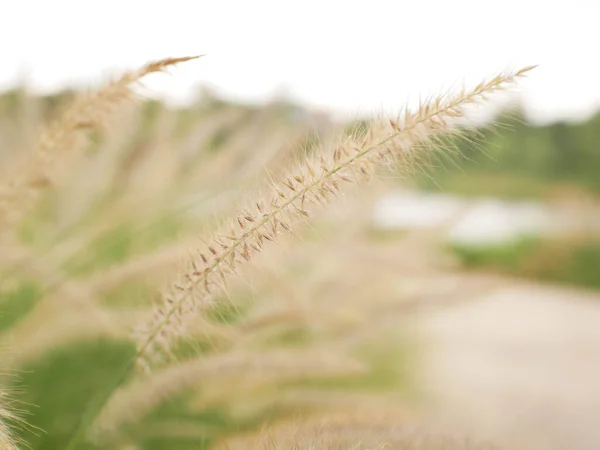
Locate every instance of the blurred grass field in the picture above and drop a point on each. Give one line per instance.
(90, 259)
(311, 329)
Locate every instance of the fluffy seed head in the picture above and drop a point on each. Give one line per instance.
(402, 141)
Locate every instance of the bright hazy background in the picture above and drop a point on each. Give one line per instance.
(344, 56)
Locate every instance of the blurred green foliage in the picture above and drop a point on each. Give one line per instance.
(555, 260)
(518, 159)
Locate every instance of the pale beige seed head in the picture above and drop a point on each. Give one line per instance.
(288, 202)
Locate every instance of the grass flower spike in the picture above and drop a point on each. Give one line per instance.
(402, 142)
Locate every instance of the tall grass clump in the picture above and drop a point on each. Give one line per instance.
(22, 182)
(103, 272)
(315, 182)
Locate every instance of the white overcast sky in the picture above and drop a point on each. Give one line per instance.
(350, 56)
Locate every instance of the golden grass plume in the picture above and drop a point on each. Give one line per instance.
(367, 430)
(21, 183)
(402, 142)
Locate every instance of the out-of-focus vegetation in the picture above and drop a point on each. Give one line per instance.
(516, 159)
(88, 262)
(304, 332)
(559, 260)
(554, 163)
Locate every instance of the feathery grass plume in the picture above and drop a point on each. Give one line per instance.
(10, 420)
(20, 185)
(404, 142)
(7, 442)
(369, 429)
(134, 401)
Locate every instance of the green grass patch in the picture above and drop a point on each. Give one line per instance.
(16, 300)
(568, 261)
(486, 184)
(60, 386)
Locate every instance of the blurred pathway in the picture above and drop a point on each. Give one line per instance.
(518, 365)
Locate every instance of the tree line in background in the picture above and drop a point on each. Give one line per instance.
(518, 159)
